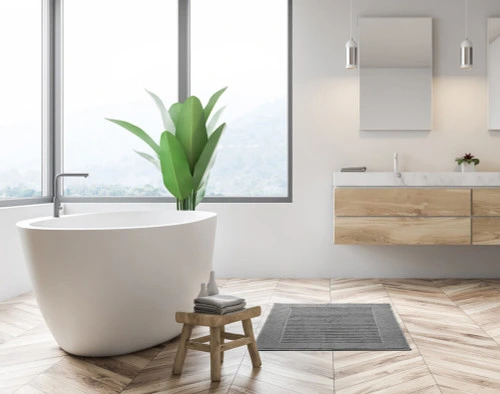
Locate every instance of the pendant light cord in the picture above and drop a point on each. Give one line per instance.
(466, 19)
(351, 19)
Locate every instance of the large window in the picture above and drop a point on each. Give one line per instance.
(243, 44)
(113, 50)
(21, 99)
(67, 65)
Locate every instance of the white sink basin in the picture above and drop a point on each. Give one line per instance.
(416, 179)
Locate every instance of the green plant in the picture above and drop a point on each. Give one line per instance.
(187, 148)
(467, 158)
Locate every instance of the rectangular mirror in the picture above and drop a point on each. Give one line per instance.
(494, 73)
(395, 72)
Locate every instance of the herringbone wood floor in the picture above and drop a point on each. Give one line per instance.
(453, 327)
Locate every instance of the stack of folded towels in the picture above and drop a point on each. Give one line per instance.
(219, 304)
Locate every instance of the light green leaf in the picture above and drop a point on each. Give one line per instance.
(177, 177)
(137, 131)
(214, 120)
(211, 103)
(168, 124)
(200, 194)
(153, 160)
(174, 111)
(191, 131)
(203, 165)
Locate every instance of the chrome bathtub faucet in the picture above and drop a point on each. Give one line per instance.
(57, 201)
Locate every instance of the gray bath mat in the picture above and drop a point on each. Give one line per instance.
(331, 327)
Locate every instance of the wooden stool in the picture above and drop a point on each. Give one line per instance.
(217, 347)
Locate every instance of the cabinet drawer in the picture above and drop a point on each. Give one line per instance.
(486, 202)
(402, 231)
(402, 202)
(486, 231)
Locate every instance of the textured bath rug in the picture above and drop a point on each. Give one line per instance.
(331, 327)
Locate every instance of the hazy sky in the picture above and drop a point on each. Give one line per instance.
(113, 49)
(20, 82)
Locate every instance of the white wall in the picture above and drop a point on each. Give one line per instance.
(295, 240)
(494, 84)
(13, 273)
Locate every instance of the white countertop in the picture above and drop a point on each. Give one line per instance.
(416, 179)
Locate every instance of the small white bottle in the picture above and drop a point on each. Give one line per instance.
(212, 288)
(203, 291)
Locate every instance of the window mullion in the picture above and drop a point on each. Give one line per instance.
(47, 90)
(184, 49)
(57, 99)
(52, 92)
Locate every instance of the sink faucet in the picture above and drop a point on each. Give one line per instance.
(396, 165)
(57, 201)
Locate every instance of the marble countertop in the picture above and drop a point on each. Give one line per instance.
(416, 179)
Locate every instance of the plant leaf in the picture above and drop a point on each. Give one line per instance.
(168, 124)
(211, 103)
(191, 130)
(177, 177)
(174, 111)
(137, 131)
(200, 194)
(213, 121)
(153, 160)
(203, 164)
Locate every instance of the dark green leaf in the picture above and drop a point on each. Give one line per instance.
(177, 177)
(203, 164)
(191, 131)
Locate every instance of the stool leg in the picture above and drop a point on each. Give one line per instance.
(215, 352)
(222, 331)
(252, 346)
(182, 350)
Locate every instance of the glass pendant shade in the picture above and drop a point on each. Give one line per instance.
(466, 55)
(351, 47)
(351, 54)
(466, 60)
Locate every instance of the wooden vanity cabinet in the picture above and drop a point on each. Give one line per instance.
(396, 201)
(486, 216)
(416, 216)
(403, 216)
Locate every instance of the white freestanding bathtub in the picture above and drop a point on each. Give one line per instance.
(110, 283)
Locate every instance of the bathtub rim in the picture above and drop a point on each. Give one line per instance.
(30, 224)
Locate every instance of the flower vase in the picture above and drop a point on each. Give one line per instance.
(468, 167)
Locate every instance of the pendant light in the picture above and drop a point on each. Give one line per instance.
(351, 50)
(466, 59)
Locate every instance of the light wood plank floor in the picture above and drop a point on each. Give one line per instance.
(452, 326)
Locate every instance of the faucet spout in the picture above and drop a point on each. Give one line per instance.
(396, 165)
(57, 200)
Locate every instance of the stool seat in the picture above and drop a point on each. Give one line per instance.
(209, 320)
(216, 346)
